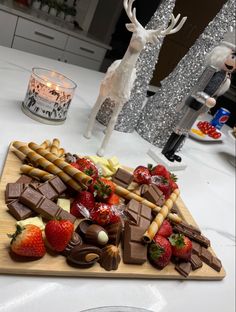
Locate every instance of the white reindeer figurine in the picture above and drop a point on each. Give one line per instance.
(119, 79)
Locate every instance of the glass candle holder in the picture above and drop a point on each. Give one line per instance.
(48, 96)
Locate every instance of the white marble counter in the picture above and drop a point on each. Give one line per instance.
(207, 188)
(44, 19)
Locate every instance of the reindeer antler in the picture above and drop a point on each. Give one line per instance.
(131, 13)
(174, 20)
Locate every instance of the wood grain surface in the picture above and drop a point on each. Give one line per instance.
(56, 264)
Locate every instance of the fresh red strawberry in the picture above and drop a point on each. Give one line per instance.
(161, 171)
(28, 241)
(84, 198)
(87, 166)
(165, 229)
(104, 214)
(142, 175)
(181, 246)
(59, 233)
(102, 189)
(173, 185)
(159, 252)
(113, 199)
(164, 186)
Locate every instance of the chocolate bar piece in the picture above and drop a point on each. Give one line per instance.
(184, 268)
(134, 250)
(31, 198)
(48, 209)
(58, 185)
(195, 261)
(64, 215)
(141, 214)
(153, 194)
(122, 177)
(196, 248)
(47, 190)
(207, 257)
(13, 191)
(24, 179)
(192, 233)
(19, 211)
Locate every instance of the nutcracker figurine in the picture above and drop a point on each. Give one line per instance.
(214, 81)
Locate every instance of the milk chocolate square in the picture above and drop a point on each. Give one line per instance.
(48, 209)
(19, 211)
(124, 176)
(48, 191)
(64, 215)
(24, 179)
(58, 185)
(31, 198)
(13, 191)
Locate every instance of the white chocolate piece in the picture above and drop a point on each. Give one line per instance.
(102, 238)
(35, 220)
(64, 203)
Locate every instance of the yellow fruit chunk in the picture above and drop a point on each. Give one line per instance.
(198, 132)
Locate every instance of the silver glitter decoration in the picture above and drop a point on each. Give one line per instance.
(145, 66)
(161, 113)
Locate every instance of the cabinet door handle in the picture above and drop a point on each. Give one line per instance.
(43, 35)
(87, 50)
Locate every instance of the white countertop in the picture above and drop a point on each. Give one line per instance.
(207, 188)
(39, 17)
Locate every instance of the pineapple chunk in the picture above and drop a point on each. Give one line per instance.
(64, 204)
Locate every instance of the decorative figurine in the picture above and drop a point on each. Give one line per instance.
(214, 81)
(120, 76)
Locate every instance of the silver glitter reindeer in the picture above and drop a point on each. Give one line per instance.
(120, 76)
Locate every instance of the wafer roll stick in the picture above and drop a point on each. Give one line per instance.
(46, 144)
(121, 191)
(47, 165)
(61, 152)
(55, 147)
(36, 173)
(77, 175)
(20, 155)
(160, 217)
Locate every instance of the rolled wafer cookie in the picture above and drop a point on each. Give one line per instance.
(61, 152)
(121, 191)
(46, 144)
(160, 217)
(20, 155)
(36, 173)
(55, 147)
(47, 165)
(76, 174)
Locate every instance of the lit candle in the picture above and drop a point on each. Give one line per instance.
(48, 96)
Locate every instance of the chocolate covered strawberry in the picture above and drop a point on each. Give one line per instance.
(84, 198)
(59, 233)
(28, 241)
(87, 166)
(181, 246)
(165, 229)
(142, 175)
(159, 252)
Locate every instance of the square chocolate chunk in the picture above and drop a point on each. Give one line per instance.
(206, 256)
(184, 268)
(123, 176)
(195, 262)
(58, 185)
(64, 215)
(48, 209)
(48, 191)
(19, 211)
(13, 191)
(24, 179)
(31, 198)
(216, 264)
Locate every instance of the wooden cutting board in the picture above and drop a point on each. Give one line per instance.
(57, 266)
